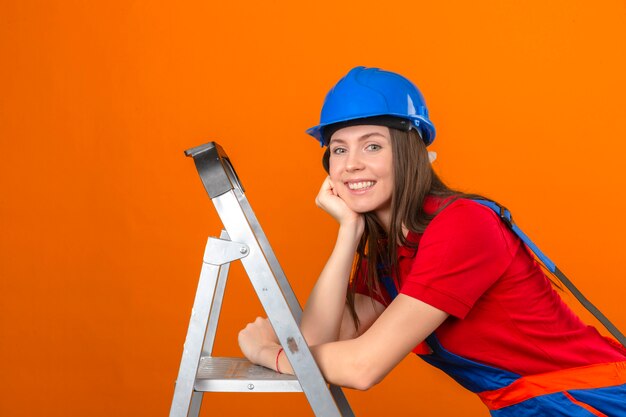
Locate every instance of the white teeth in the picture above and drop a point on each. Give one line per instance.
(360, 185)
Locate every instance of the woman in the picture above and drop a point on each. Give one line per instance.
(436, 273)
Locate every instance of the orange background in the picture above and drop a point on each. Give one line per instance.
(104, 221)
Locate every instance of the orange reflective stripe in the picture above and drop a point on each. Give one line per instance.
(585, 406)
(527, 387)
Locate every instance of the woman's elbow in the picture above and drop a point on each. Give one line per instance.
(363, 384)
(364, 374)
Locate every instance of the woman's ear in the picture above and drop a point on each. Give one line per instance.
(326, 160)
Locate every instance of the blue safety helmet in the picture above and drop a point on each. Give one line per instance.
(371, 93)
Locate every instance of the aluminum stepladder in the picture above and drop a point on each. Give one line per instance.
(243, 239)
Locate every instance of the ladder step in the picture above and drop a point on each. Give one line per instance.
(240, 375)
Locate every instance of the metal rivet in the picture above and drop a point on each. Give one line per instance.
(243, 250)
(250, 387)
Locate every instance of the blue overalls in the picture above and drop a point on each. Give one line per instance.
(596, 390)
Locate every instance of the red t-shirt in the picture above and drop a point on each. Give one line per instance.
(503, 310)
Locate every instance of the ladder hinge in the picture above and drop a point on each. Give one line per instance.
(220, 251)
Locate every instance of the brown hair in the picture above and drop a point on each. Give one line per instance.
(414, 179)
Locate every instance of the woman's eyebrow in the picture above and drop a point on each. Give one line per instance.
(360, 138)
(367, 135)
(337, 141)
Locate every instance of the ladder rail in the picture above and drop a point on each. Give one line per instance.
(199, 372)
(288, 292)
(265, 285)
(218, 177)
(218, 254)
(192, 349)
(216, 304)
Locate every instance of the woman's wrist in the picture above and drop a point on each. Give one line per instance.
(352, 229)
(274, 358)
(267, 356)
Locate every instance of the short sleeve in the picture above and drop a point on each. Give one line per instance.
(462, 252)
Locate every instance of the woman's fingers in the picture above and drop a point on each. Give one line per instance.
(255, 336)
(329, 200)
(332, 187)
(327, 196)
(326, 188)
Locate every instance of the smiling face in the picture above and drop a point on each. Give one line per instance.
(361, 169)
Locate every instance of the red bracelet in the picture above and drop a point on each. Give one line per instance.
(277, 356)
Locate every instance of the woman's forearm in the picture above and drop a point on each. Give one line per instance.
(336, 360)
(323, 313)
(340, 363)
(364, 361)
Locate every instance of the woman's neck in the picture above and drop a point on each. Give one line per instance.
(384, 218)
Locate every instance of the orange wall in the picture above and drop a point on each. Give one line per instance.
(103, 221)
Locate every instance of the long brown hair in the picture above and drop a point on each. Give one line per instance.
(414, 180)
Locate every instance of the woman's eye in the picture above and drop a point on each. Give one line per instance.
(373, 147)
(338, 150)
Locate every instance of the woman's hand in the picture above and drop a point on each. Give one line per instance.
(328, 200)
(256, 338)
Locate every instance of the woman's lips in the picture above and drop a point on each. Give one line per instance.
(360, 185)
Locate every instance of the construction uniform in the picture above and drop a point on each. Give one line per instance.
(509, 338)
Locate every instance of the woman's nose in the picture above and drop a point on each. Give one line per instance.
(354, 162)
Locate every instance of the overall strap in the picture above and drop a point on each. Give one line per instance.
(507, 218)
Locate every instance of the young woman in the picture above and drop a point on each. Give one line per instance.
(435, 273)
